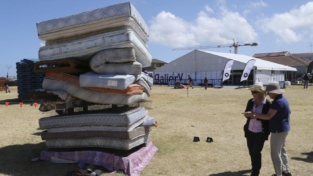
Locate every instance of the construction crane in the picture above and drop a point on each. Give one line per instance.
(235, 45)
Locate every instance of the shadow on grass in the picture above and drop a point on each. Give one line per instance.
(238, 173)
(308, 159)
(15, 160)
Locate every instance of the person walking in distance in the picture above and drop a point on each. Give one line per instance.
(189, 81)
(306, 81)
(206, 82)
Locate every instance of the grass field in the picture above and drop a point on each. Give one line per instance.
(181, 115)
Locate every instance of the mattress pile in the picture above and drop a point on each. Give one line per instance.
(96, 58)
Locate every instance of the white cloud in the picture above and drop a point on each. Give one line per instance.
(208, 9)
(169, 30)
(290, 26)
(42, 43)
(258, 4)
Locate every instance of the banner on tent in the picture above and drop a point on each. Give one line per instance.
(247, 70)
(227, 69)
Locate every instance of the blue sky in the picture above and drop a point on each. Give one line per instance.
(275, 25)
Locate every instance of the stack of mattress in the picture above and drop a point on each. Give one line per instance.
(95, 57)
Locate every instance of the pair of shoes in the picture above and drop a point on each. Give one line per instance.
(286, 174)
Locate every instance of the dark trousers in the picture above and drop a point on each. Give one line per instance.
(205, 85)
(255, 143)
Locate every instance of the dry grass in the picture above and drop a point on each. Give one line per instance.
(212, 113)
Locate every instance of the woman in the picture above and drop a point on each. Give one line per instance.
(256, 130)
(279, 126)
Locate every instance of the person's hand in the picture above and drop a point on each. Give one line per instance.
(248, 114)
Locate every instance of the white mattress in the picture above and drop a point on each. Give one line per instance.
(146, 77)
(114, 55)
(123, 119)
(141, 81)
(124, 14)
(83, 49)
(92, 96)
(112, 81)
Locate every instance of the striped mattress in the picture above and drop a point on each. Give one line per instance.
(85, 48)
(122, 118)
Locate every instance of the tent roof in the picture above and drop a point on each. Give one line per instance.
(260, 64)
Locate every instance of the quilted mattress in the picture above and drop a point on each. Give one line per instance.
(107, 118)
(132, 68)
(114, 55)
(114, 143)
(146, 77)
(124, 14)
(139, 131)
(85, 48)
(92, 96)
(141, 81)
(131, 89)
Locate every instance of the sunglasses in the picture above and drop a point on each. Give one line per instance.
(254, 92)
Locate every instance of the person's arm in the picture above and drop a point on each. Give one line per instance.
(267, 116)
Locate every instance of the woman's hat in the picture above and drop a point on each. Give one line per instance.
(257, 86)
(274, 88)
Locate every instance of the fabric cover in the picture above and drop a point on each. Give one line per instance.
(69, 65)
(132, 161)
(123, 14)
(139, 131)
(131, 89)
(114, 143)
(92, 96)
(108, 117)
(84, 49)
(132, 68)
(147, 78)
(148, 121)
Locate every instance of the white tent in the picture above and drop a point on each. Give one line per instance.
(200, 63)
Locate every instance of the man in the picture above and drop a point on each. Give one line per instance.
(306, 81)
(279, 118)
(189, 81)
(206, 82)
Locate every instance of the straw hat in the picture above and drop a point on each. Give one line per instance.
(274, 88)
(257, 87)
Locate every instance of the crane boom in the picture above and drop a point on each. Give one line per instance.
(235, 45)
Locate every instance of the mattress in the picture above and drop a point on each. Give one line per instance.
(69, 65)
(139, 131)
(124, 14)
(84, 49)
(92, 96)
(146, 77)
(149, 121)
(131, 89)
(132, 68)
(122, 144)
(113, 81)
(131, 161)
(96, 128)
(106, 117)
(141, 81)
(114, 55)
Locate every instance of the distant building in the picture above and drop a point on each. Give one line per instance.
(299, 61)
(156, 63)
